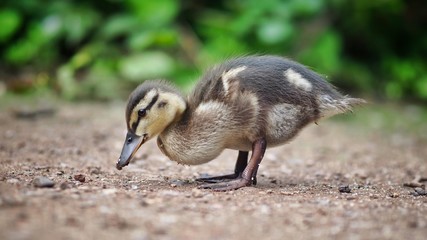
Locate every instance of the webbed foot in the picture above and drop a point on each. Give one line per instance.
(223, 178)
(244, 174)
(228, 185)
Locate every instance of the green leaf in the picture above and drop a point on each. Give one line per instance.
(10, 20)
(306, 7)
(146, 65)
(154, 13)
(141, 40)
(421, 87)
(275, 31)
(119, 25)
(78, 23)
(325, 53)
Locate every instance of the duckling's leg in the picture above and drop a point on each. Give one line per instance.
(241, 163)
(249, 173)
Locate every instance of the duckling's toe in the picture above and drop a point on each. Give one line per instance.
(223, 178)
(217, 179)
(227, 186)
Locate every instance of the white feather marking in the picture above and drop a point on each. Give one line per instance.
(227, 76)
(282, 122)
(297, 80)
(210, 106)
(329, 106)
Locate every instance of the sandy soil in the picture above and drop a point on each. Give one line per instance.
(297, 196)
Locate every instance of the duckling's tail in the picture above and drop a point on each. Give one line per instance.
(329, 106)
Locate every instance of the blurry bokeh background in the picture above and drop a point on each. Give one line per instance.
(101, 49)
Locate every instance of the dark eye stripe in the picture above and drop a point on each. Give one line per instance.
(149, 106)
(134, 125)
(153, 101)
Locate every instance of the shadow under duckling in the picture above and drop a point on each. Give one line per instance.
(247, 104)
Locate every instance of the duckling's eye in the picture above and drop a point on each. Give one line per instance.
(142, 112)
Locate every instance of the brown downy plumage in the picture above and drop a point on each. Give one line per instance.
(245, 104)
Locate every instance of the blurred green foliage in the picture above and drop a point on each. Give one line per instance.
(100, 49)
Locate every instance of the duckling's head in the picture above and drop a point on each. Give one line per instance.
(151, 108)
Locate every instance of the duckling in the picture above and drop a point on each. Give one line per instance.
(246, 104)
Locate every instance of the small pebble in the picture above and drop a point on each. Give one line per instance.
(43, 182)
(197, 193)
(109, 191)
(143, 203)
(64, 185)
(287, 193)
(415, 194)
(344, 189)
(178, 182)
(374, 196)
(12, 180)
(95, 170)
(80, 178)
(420, 191)
(394, 195)
(413, 184)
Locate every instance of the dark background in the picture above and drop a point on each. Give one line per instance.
(102, 49)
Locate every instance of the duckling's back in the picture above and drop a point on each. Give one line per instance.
(273, 95)
(274, 79)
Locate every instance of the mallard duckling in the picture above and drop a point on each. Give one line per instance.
(247, 104)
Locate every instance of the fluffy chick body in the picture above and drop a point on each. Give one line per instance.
(233, 106)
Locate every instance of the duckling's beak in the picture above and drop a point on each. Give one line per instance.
(131, 145)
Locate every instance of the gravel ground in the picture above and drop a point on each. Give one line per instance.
(338, 180)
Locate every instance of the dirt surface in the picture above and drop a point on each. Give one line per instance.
(338, 180)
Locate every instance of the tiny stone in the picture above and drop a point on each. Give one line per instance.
(109, 191)
(143, 203)
(95, 171)
(373, 196)
(413, 184)
(59, 173)
(351, 198)
(344, 189)
(394, 195)
(43, 182)
(413, 224)
(287, 193)
(415, 194)
(420, 191)
(12, 180)
(178, 182)
(79, 177)
(64, 185)
(197, 193)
